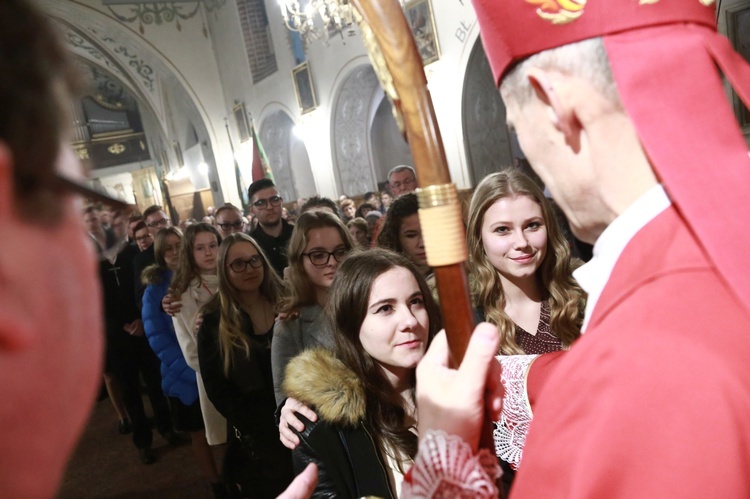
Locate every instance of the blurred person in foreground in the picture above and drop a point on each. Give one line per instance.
(51, 332)
(51, 345)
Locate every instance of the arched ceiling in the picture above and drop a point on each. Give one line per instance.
(104, 42)
(169, 107)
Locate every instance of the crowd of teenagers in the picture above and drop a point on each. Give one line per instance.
(297, 342)
(311, 354)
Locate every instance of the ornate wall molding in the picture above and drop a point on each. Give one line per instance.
(275, 135)
(119, 53)
(351, 131)
(485, 133)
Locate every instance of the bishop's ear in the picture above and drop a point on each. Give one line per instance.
(15, 331)
(553, 89)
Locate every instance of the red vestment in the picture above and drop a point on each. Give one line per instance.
(654, 400)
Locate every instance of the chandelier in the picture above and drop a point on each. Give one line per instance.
(318, 19)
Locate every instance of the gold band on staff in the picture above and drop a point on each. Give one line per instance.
(440, 218)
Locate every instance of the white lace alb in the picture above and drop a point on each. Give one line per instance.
(510, 432)
(446, 468)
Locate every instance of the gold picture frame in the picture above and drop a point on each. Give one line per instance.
(303, 88)
(419, 16)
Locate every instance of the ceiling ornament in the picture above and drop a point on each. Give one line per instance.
(149, 12)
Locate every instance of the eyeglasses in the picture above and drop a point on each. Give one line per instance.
(159, 223)
(143, 238)
(231, 225)
(59, 182)
(320, 258)
(262, 204)
(239, 266)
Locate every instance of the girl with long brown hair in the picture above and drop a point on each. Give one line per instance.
(319, 242)
(194, 283)
(363, 392)
(234, 349)
(521, 266)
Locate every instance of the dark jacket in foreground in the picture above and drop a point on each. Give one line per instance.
(340, 442)
(255, 459)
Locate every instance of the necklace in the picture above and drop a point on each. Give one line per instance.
(204, 286)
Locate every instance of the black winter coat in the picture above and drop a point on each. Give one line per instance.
(350, 464)
(255, 458)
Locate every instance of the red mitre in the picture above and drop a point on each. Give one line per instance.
(666, 58)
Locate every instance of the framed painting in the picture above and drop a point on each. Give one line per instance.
(240, 117)
(303, 87)
(738, 31)
(422, 24)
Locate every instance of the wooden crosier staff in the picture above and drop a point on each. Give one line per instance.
(399, 66)
(397, 62)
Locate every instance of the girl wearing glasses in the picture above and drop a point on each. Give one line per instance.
(195, 282)
(318, 243)
(363, 391)
(234, 349)
(178, 379)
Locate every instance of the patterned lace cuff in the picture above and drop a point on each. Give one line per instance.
(445, 468)
(510, 432)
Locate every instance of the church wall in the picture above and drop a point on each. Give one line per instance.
(330, 65)
(207, 57)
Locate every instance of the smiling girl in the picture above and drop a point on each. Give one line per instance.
(521, 266)
(319, 242)
(194, 282)
(234, 349)
(363, 392)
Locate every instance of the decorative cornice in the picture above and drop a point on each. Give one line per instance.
(147, 13)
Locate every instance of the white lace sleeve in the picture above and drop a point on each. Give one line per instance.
(446, 468)
(510, 432)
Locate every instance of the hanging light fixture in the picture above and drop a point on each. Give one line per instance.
(318, 19)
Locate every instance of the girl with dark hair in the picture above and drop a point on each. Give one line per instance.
(363, 392)
(195, 282)
(401, 231)
(234, 349)
(364, 209)
(178, 379)
(358, 229)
